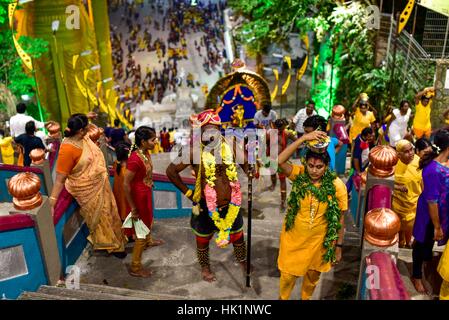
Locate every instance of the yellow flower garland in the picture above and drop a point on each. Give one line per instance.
(223, 224)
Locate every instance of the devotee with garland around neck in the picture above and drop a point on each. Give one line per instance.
(217, 197)
(312, 234)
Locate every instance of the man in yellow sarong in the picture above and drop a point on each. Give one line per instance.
(407, 189)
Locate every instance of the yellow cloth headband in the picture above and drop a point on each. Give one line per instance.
(401, 144)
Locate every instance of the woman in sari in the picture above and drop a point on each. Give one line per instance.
(432, 213)
(407, 189)
(138, 190)
(119, 167)
(82, 170)
(312, 234)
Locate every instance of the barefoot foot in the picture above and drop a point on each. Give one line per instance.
(243, 266)
(208, 275)
(419, 286)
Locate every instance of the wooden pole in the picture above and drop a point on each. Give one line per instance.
(250, 211)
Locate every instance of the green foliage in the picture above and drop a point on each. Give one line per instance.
(271, 21)
(325, 193)
(339, 27)
(12, 72)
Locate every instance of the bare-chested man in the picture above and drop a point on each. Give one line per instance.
(202, 224)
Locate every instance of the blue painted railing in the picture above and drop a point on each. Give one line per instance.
(19, 230)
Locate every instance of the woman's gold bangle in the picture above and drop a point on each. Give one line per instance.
(188, 193)
(53, 198)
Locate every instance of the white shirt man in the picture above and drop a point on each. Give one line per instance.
(264, 118)
(17, 124)
(302, 115)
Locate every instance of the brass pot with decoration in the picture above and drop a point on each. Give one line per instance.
(382, 227)
(54, 130)
(37, 156)
(338, 112)
(94, 132)
(25, 190)
(382, 160)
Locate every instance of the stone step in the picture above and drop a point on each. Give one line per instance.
(82, 294)
(137, 294)
(42, 296)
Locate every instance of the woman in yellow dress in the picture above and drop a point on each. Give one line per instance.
(443, 270)
(312, 234)
(6, 148)
(422, 127)
(407, 189)
(361, 118)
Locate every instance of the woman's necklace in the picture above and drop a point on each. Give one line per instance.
(144, 156)
(314, 206)
(148, 180)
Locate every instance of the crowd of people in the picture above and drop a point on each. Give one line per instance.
(134, 33)
(313, 231)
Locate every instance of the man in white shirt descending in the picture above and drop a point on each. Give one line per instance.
(302, 115)
(17, 122)
(265, 117)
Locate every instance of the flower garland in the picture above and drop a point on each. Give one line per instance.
(224, 225)
(324, 193)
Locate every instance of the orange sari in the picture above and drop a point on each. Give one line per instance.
(88, 183)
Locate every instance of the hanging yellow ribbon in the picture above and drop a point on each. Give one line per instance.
(74, 60)
(26, 59)
(99, 83)
(92, 97)
(287, 82)
(405, 15)
(81, 87)
(86, 72)
(275, 90)
(303, 68)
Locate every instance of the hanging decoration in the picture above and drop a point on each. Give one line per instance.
(303, 68)
(287, 82)
(26, 59)
(275, 90)
(405, 15)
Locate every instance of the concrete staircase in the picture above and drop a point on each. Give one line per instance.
(94, 292)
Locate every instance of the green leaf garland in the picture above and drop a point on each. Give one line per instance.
(326, 193)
